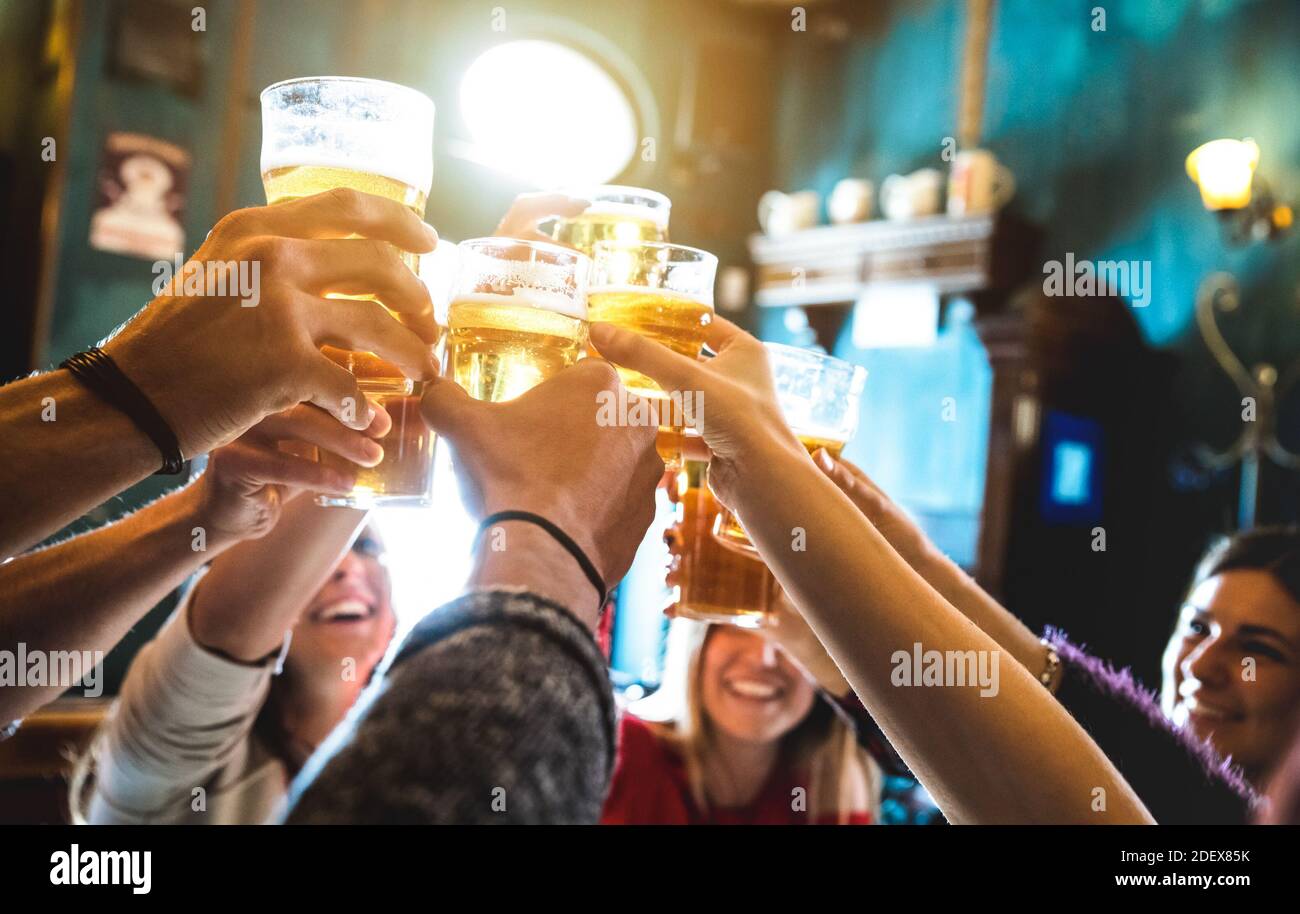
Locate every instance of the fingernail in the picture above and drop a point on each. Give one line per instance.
(342, 484)
(431, 233)
(824, 460)
(373, 451)
(600, 333)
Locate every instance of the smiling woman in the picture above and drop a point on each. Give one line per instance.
(738, 735)
(264, 656)
(547, 114)
(1232, 665)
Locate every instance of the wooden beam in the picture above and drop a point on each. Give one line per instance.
(232, 128)
(64, 39)
(974, 72)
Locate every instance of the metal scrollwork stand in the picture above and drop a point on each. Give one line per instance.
(1258, 438)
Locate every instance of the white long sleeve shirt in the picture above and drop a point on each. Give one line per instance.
(178, 747)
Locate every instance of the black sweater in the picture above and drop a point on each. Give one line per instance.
(497, 709)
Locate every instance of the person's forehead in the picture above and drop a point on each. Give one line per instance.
(1248, 597)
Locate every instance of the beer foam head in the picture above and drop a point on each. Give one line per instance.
(539, 275)
(524, 297)
(360, 124)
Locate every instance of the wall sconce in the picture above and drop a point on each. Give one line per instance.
(1224, 170)
(1258, 443)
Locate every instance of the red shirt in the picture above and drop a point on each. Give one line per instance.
(650, 787)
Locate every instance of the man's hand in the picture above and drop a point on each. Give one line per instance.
(544, 452)
(213, 366)
(247, 483)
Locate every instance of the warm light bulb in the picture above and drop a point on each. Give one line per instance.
(1223, 169)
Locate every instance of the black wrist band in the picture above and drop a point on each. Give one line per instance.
(97, 371)
(556, 534)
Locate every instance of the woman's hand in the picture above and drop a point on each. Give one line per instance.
(247, 482)
(730, 398)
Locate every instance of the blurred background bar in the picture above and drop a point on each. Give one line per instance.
(924, 168)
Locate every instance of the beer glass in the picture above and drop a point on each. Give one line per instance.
(713, 583)
(819, 396)
(518, 315)
(322, 133)
(615, 214)
(665, 293)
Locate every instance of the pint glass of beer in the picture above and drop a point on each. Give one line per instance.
(518, 315)
(819, 397)
(664, 292)
(321, 133)
(713, 583)
(616, 214)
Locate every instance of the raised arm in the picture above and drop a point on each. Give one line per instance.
(939, 571)
(498, 707)
(84, 594)
(1180, 778)
(213, 365)
(1012, 756)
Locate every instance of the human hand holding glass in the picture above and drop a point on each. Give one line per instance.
(333, 134)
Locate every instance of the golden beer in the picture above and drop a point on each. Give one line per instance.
(293, 182)
(616, 213)
(499, 346)
(406, 472)
(518, 315)
(584, 230)
(713, 583)
(663, 292)
(728, 529)
(671, 319)
(325, 133)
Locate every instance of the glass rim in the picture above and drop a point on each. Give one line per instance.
(629, 244)
(581, 192)
(580, 259)
(360, 80)
(824, 359)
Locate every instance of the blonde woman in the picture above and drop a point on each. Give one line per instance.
(742, 733)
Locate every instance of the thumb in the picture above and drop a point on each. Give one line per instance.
(446, 407)
(631, 350)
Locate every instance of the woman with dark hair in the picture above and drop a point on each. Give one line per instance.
(1180, 776)
(1232, 666)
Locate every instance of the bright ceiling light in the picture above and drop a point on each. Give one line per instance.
(544, 113)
